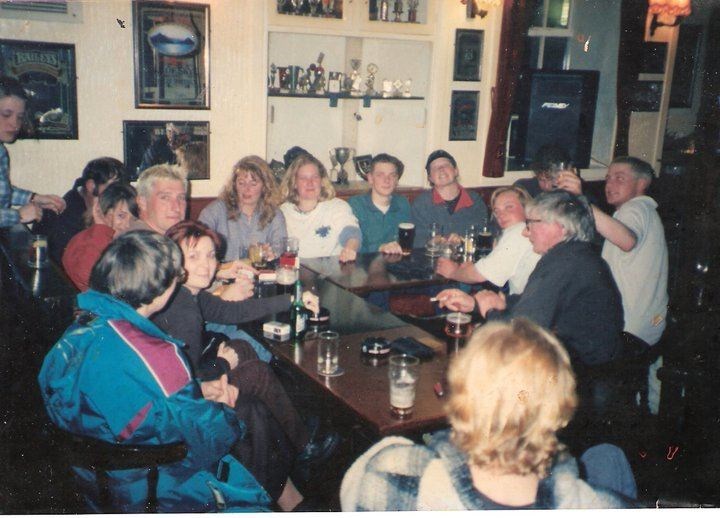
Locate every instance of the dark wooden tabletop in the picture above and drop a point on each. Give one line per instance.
(377, 272)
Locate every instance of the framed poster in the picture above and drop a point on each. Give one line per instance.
(362, 165)
(463, 115)
(172, 54)
(468, 51)
(185, 143)
(47, 72)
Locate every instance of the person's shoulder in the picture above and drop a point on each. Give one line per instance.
(423, 198)
(358, 201)
(217, 206)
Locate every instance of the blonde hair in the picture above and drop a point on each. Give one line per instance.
(521, 193)
(147, 179)
(259, 170)
(511, 389)
(288, 188)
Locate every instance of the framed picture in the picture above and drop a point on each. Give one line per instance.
(47, 71)
(464, 115)
(185, 143)
(683, 81)
(362, 165)
(653, 58)
(468, 53)
(171, 55)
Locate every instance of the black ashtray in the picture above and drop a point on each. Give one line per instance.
(320, 321)
(375, 347)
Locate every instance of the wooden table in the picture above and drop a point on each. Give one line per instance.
(363, 389)
(378, 272)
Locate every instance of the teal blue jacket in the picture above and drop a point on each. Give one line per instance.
(378, 228)
(115, 376)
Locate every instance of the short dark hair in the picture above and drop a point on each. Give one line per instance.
(101, 171)
(116, 193)
(192, 231)
(639, 167)
(11, 86)
(384, 158)
(137, 267)
(547, 156)
(439, 153)
(292, 153)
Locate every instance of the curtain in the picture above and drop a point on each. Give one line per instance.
(512, 36)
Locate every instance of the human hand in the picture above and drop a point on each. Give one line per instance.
(454, 239)
(568, 181)
(30, 212)
(311, 301)
(243, 288)
(229, 355)
(268, 252)
(347, 255)
(456, 300)
(392, 248)
(97, 215)
(487, 300)
(49, 201)
(233, 269)
(446, 267)
(220, 391)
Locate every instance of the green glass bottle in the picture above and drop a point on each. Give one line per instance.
(298, 315)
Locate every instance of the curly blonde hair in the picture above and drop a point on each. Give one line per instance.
(288, 188)
(511, 389)
(521, 193)
(259, 170)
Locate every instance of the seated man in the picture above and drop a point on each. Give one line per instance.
(447, 203)
(546, 170)
(512, 260)
(60, 228)
(635, 249)
(379, 212)
(162, 198)
(116, 377)
(511, 389)
(571, 291)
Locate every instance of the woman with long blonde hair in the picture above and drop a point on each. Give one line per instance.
(246, 212)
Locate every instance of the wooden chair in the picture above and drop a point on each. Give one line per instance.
(102, 457)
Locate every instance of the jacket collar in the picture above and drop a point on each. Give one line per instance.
(464, 202)
(110, 308)
(393, 202)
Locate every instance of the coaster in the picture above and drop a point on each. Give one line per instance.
(337, 373)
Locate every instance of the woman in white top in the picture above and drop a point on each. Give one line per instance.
(512, 260)
(324, 225)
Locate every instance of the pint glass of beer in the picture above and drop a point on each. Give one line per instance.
(406, 236)
(457, 329)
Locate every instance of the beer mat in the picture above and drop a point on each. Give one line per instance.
(413, 347)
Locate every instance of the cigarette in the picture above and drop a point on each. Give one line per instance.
(434, 299)
(439, 389)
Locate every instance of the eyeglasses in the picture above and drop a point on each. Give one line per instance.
(528, 221)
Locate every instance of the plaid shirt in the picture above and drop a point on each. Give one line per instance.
(9, 195)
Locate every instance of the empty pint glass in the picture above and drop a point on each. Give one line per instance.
(403, 372)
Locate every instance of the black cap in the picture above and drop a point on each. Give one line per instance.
(440, 153)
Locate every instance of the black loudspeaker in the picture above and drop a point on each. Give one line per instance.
(555, 107)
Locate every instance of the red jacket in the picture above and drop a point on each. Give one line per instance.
(83, 251)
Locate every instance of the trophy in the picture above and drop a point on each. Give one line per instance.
(412, 10)
(342, 155)
(295, 73)
(387, 88)
(272, 85)
(397, 10)
(372, 69)
(334, 162)
(406, 88)
(356, 80)
(315, 8)
(284, 79)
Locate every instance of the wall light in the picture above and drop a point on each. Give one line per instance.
(472, 8)
(676, 9)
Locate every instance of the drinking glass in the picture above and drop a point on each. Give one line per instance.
(435, 239)
(484, 240)
(406, 236)
(328, 354)
(257, 253)
(403, 373)
(289, 248)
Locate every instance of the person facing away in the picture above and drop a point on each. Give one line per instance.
(161, 199)
(192, 158)
(636, 251)
(116, 377)
(112, 214)
(97, 175)
(247, 211)
(13, 119)
(448, 203)
(324, 225)
(545, 169)
(510, 390)
(512, 260)
(380, 211)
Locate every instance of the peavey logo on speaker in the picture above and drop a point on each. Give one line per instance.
(555, 106)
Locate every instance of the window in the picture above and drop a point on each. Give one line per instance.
(547, 41)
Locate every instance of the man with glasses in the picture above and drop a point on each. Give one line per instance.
(380, 211)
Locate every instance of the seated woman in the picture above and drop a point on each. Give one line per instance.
(117, 377)
(512, 260)
(247, 210)
(324, 225)
(112, 214)
(511, 390)
(184, 319)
